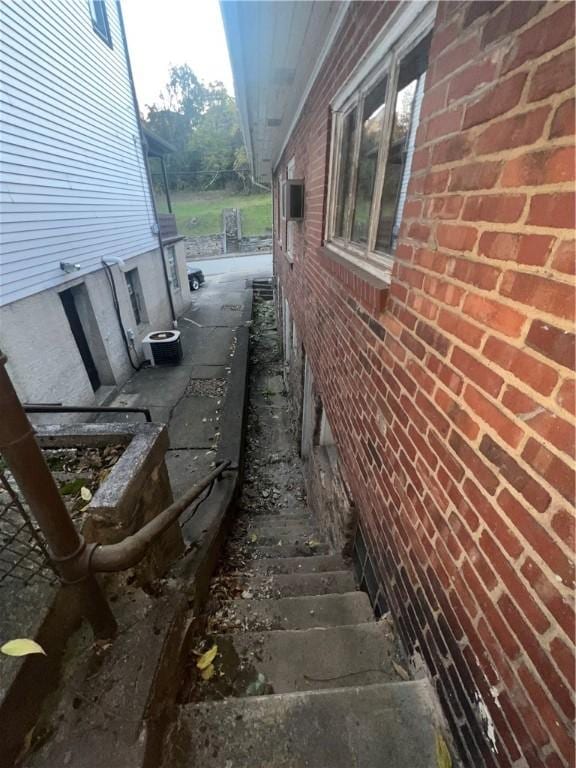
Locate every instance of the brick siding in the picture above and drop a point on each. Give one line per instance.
(451, 395)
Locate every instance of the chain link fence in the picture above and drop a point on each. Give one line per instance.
(23, 554)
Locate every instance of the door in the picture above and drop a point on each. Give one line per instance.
(71, 311)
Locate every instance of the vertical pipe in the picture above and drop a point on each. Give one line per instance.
(26, 462)
(166, 189)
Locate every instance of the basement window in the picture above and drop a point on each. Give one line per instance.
(373, 140)
(100, 20)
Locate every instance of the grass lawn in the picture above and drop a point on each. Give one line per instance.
(200, 213)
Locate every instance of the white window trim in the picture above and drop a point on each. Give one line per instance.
(290, 168)
(408, 26)
(282, 207)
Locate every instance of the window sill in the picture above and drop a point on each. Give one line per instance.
(369, 283)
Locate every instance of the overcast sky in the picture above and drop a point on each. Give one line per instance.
(165, 32)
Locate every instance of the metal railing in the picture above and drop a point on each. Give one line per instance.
(75, 561)
(59, 408)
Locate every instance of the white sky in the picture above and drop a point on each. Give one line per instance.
(165, 32)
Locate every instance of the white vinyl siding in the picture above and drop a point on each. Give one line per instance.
(73, 181)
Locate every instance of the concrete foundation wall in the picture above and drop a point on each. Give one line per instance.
(43, 359)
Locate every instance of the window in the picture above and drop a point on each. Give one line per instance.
(135, 294)
(173, 266)
(374, 132)
(100, 20)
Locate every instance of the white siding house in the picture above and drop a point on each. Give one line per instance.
(74, 190)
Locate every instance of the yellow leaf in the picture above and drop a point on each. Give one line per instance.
(207, 673)
(85, 493)
(207, 658)
(400, 671)
(21, 647)
(253, 538)
(442, 754)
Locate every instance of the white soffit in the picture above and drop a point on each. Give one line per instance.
(276, 49)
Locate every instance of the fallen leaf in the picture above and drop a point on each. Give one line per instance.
(85, 493)
(207, 673)
(443, 758)
(400, 671)
(253, 538)
(207, 658)
(21, 647)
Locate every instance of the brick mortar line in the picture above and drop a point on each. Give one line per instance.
(478, 92)
(439, 385)
(510, 153)
(468, 475)
(491, 431)
(544, 13)
(492, 294)
(474, 621)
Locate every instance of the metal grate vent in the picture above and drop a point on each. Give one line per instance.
(367, 574)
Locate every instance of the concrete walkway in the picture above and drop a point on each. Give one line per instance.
(189, 397)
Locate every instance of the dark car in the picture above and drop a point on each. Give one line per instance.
(195, 277)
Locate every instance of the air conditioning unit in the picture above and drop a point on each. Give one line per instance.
(163, 347)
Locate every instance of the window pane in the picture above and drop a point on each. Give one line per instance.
(346, 157)
(100, 19)
(406, 112)
(372, 117)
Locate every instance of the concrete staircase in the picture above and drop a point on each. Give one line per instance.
(304, 674)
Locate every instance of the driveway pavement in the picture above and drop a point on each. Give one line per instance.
(252, 263)
(189, 397)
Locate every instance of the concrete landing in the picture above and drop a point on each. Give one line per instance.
(304, 612)
(376, 726)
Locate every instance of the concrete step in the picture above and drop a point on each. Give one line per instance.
(304, 612)
(280, 518)
(282, 524)
(375, 726)
(317, 564)
(296, 584)
(275, 535)
(282, 661)
(286, 549)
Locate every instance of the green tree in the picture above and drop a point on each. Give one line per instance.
(201, 123)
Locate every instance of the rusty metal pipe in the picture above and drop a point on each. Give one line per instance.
(26, 462)
(127, 553)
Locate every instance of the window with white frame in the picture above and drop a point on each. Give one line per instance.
(373, 139)
(172, 266)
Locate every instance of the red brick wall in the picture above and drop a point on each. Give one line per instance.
(452, 396)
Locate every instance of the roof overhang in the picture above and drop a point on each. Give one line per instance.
(155, 146)
(276, 50)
